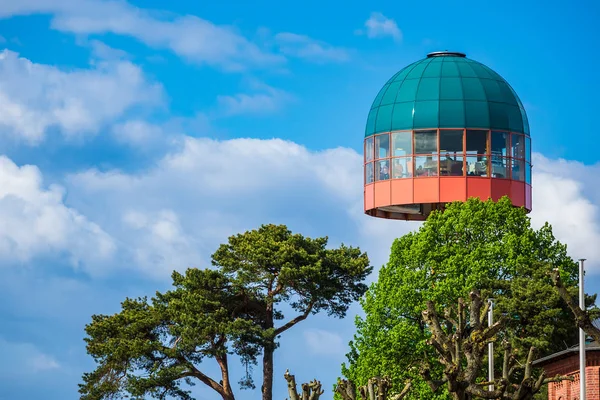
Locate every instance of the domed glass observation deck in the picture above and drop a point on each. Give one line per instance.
(444, 129)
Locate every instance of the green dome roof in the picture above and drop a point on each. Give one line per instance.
(446, 90)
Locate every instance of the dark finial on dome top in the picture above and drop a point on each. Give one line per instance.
(446, 53)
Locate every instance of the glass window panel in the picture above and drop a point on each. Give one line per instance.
(369, 173)
(390, 95)
(451, 89)
(408, 90)
(480, 70)
(426, 142)
(518, 146)
(449, 69)
(426, 114)
(451, 165)
(477, 166)
(473, 90)
(382, 170)
(518, 170)
(451, 141)
(493, 73)
(525, 121)
(380, 95)
(527, 149)
(492, 90)
(528, 173)
(369, 152)
(477, 114)
(515, 96)
(434, 69)
(371, 121)
(515, 120)
(426, 166)
(507, 94)
(477, 141)
(384, 118)
(465, 70)
(499, 113)
(500, 144)
(500, 167)
(452, 114)
(382, 146)
(429, 89)
(402, 117)
(401, 143)
(418, 69)
(400, 76)
(401, 167)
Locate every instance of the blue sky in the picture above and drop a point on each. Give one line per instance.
(135, 138)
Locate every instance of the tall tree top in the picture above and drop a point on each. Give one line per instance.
(280, 266)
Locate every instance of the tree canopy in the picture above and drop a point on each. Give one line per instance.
(155, 348)
(486, 246)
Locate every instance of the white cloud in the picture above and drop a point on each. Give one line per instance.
(158, 240)
(103, 51)
(265, 100)
(190, 37)
(301, 46)
(35, 221)
(20, 359)
(35, 98)
(175, 214)
(137, 132)
(378, 25)
(324, 342)
(207, 190)
(566, 194)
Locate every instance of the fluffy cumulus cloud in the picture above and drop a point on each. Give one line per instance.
(175, 214)
(196, 196)
(566, 194)
(36, 98)
(36, 222)
(378, 25)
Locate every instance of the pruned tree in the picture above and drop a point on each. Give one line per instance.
(583, 318)
(460, 338)
(377, 388)
(310, 391)
(155, 348)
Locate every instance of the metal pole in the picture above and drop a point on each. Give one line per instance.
(582, 394)
(491, 345)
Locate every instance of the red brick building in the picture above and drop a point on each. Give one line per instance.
(566, 362)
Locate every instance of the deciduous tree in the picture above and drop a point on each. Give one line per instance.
(487, 246)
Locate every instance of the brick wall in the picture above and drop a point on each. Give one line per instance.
(569, 390)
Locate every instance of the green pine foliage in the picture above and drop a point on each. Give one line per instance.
(155, 348)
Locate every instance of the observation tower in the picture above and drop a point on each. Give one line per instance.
(443, 129)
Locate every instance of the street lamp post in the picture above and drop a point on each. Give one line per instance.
(582, 394)
(491, 345)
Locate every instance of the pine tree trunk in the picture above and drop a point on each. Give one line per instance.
(267, 386)
(268, 350)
